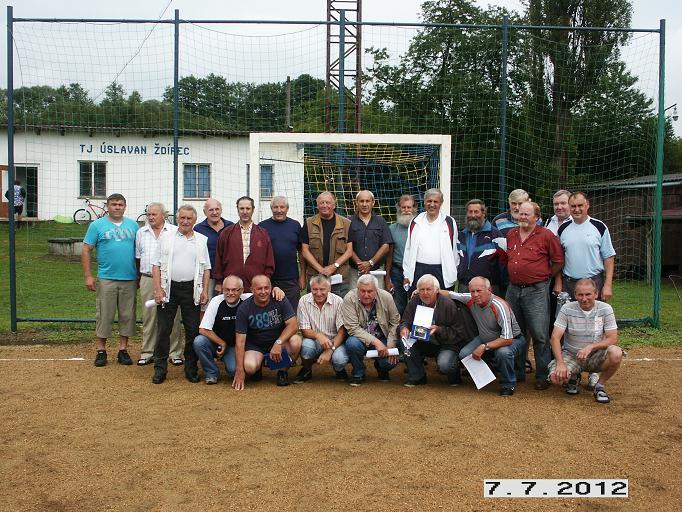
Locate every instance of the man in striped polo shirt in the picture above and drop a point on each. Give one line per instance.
(590, 341)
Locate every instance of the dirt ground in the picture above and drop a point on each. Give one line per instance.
(76, 437)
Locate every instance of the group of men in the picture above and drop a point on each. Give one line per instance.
(238, 290)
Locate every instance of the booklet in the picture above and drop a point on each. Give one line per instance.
(283, 364)
(421, 325)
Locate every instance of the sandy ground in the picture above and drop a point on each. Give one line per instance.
(76, 437)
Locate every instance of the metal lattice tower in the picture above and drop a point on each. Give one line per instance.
(344, 45)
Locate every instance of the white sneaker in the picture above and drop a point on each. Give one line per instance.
(592, 380)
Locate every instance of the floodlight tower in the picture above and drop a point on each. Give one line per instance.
(344, 45)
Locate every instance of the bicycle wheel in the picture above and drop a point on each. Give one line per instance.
(142, 218)
(82, 216)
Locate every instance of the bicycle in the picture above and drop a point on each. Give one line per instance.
(142, 218)
(84, 215)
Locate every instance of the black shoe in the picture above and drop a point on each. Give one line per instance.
(258, 376)
(192, 374)
(304, 374)
(159, 376)
(357, 381)
(101, 358)
(381, 374)
(506, 391)
(412, 383)
(454, 378)
(342, 375)
(283, 377)
(124, 358)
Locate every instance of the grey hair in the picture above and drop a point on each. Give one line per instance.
(402, 199)
(434, 192)
(239, 279)
(518, 195)
(561, 192)
(368, 191)
(587, 280)
(429, 277)
(189, 208)
(319, 279)
(486, 281)
(279, 199)
(368, 279)
(160, 206)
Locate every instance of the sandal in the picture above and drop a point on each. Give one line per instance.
(143, 361)
(176, 361)
(601, 396)
(529, 366)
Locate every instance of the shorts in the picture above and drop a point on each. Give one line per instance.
(18, 208)
(258, 348)
(593, 363)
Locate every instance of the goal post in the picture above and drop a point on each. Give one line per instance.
(301, 165)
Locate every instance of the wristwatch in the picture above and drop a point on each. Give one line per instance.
(486, 347)
(336, 265)
(371, 262)
(279, 342)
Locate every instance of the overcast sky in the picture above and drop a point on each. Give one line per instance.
(646, 15)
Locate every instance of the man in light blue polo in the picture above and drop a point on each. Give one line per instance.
(114, 238)
(394, 261)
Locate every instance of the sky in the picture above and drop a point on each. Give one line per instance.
(647, 14)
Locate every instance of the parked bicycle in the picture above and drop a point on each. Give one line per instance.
(142, 218)
(91, 210)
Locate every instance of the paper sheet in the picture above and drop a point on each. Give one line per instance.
(371, 354)
(378, 273)
(479, 371)
(336, 279)
(423, 316)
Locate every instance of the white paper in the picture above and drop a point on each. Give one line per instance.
(423, 316)
(487, 252)
(378, 273)
(336, 279)
(151, 303)
(479, 371)
(371, 354)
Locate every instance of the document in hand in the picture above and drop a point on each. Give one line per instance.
(421, 325)
(335, 279)
(284, 363)
(479, 371)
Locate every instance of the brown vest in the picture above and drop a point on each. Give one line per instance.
(337, 243)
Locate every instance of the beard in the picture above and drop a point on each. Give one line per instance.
(475, 224)
(404, 220)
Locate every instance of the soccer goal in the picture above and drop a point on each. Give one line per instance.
(302, 165)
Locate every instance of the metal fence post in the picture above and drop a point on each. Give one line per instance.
(176, 108)
(658, 192)
(503, 116)
(10, 172)
(342, 71)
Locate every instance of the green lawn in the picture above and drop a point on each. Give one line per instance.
(51, 287)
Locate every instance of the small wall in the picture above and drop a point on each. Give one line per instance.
(65, 246)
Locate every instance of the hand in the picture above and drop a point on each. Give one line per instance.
(406, 281)
(220, 352)
(606, 292)
(219, 288)
(277, 293)
(393, 359)
(203, 298)
(276, 353)
(557, 288)
(325, 357)
(90, 283)
(238, 381)
(434, 329)
(329, 270)
(301, 282)
(584, 353)
(326, 343)
(364, 267)
(159, 296)
(561, 374)
(404, 332)
(478, 353)
(388, 284)
(381, 348)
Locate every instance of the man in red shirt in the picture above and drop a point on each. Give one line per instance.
(534, 256)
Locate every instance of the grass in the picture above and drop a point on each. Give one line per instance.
(52, 287)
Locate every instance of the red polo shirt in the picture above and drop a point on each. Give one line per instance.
(530, 261)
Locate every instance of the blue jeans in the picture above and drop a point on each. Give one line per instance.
(311, 350)
(446, 359)
(356, 351)
(503, 358)
(530, 305)
(206, 352)
(399, 293)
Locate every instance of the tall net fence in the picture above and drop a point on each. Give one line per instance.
(530, 108)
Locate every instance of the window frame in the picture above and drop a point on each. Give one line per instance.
(272, 182)
(196, 166)
(93, 188)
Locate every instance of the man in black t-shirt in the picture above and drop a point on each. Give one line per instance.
(216, 331)
(263, 326)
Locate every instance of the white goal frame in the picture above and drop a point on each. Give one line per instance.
(256, 139)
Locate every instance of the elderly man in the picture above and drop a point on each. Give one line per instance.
(180, 270)
(590, 341)
(113, 236)
(146, 240)
(534, 257)
(264, 325)
(561, 211)
(371, 319)
(451, 328)
(394, 278)
(482, 249)
(499, 336)
(370, 237)
(216, 338)
(325, 245)
(244, 249)
(211, 227)
(321, 323)
(285, 234)
(510, 219)
(431, 244)
(589, 251)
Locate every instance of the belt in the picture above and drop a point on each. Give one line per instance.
(568, 278)
(145, 274)
(529, 284)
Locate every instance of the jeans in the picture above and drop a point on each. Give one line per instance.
(503, 358)
(356, 351)
(181, 296)
(206, 351)
(399, 293)
(311, 350)
(446, 358)
(530, 305)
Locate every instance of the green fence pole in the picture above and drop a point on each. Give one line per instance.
(503, 116)
(658, 193)
(176, 109)
(10, 172)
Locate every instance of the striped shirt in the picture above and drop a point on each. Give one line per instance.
(584, 327)
(327, 320)
(494, 320)
(145, 245)
(246, 240)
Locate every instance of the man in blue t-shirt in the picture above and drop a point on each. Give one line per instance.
(285, 234)
(264, 326)
(114, 238)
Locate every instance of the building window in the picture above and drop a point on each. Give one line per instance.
(93, 179)
(197, 181)
(266, 181)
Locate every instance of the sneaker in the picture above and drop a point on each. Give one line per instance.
(541, 384)
(356, 381)
(573, 383)
(124, 358)
(283, 378)
(211, 380)
(258, 376)
(342, 375)
(412, 383)
(600, 394)
(304, 374)
(592, 380)
(506, 391)
(101, 358)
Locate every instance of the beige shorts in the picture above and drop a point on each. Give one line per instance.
(113, 296)
(592, 364)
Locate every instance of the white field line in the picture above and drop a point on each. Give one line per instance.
(43, 359)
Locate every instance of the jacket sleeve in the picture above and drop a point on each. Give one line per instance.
(450, 324)
(393, 323)
(352, 322)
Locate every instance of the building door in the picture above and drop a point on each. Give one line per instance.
(28, 175)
